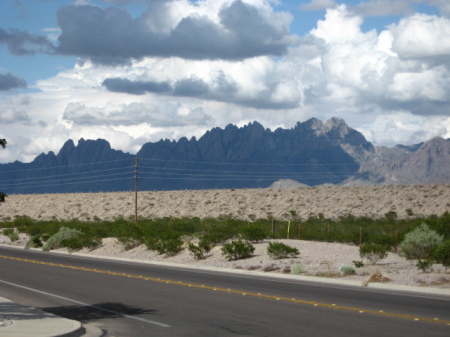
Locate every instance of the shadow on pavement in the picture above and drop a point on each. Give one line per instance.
(17, 312)
(84, 314)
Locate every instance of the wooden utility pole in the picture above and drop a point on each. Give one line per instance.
(135, 189)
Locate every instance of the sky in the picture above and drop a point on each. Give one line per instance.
(137, 71)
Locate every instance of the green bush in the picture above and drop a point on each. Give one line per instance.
(169, 244)
(424, 265)
(278, 250)
(80, 242)
(219, 234)
(253, 233)
(13, 236)
(55, 240)
(34, 242)
(420, 243)
(199, 251)
(358, 264)
(298, 268)
(237, 249)
(348, 270)
(373, 252)
(7, 231)
(442, 253)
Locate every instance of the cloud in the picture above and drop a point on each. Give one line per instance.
(421, 36)
(383, 7)
(112, 36)
(23, 43)
(135, 87)
(11, 115)
(134, 114)
(9, 81)
(315, 5)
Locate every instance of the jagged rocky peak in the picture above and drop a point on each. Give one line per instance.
(337, 124)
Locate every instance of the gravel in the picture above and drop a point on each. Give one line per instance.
(320, 259)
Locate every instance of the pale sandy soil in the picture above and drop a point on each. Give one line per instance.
(319, 259)
(331, 201)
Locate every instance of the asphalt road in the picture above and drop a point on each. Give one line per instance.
(132, 299)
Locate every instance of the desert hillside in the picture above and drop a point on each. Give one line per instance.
(331, 201)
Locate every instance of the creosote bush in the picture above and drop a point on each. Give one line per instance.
(279, 250)
(348, 270)
(298, 268)
(237, 249)
(200, 250)
(55, 240)
(170, 244)
(373, 252)
(442, 253)
(424, 265)
(420, 243)
(253, 233)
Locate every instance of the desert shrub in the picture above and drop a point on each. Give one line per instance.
(420, 243)
(169, 244)
(219, 234)
(55, 240)
(373, 252)
(358, 264)
(279, 250)
(80, 242)
(424, 265)
(442, 253)
(253, 233)
(34, 242)
(7, 231)
(199, 251)
(348, 270)
(13, 236)
(376, 276)
(237, 249)
(298, 268)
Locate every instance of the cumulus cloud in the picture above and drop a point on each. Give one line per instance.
(8, 81)
(134, 114)
(112, 36)
(11, 115)
(135, 87)
(384, 7)
(421, 36)
(23, 43)
(315, 5)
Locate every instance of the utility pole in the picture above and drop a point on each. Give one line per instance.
(135, 189)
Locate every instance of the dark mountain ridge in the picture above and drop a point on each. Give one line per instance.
(312, 153)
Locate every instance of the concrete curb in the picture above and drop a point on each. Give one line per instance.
(28, 321)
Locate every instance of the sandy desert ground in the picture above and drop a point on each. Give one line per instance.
(331, 201)
(319, 258)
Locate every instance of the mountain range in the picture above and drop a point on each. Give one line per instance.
(311, 153)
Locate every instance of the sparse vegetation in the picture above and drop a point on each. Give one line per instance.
(55, 240)
(442, 253)
(297, 269)
(420, 243)
(200, 250)
(279, 250)
(358, 264)
(237, 249)
(373, 252)
(348, 270)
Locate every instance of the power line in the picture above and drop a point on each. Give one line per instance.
(65, 166)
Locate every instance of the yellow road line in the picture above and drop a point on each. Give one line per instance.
(259, 295)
